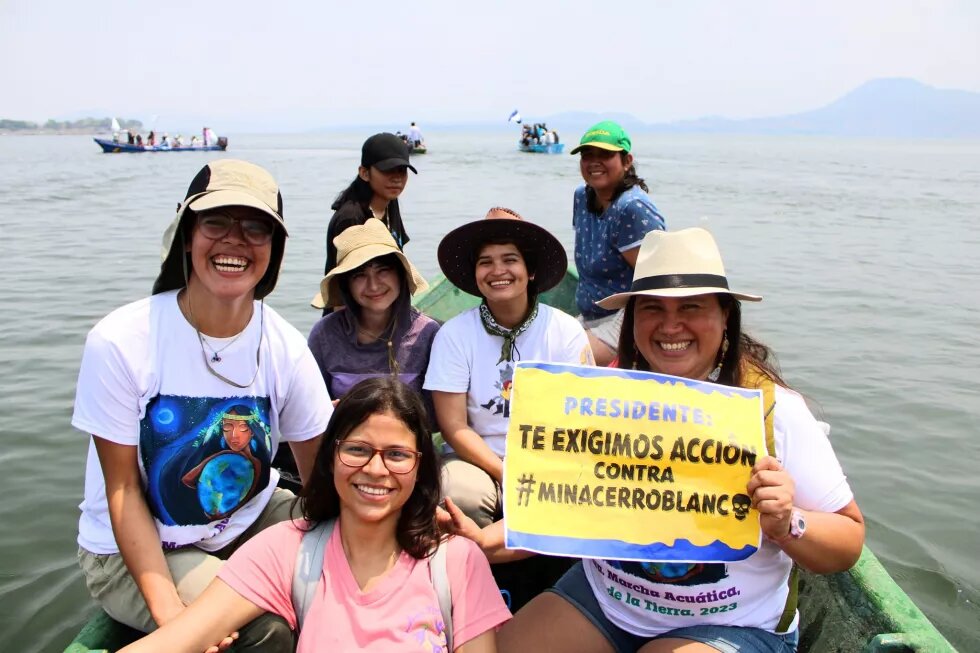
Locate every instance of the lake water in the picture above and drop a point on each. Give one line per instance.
(867, 253)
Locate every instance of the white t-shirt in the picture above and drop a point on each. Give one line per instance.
(464, 359)
(657, 597)
(205, 448)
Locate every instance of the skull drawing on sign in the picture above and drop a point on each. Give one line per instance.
(741, 504)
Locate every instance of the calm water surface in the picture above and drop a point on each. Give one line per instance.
(867, 253)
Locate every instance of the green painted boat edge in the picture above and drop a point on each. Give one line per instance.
(862, 609)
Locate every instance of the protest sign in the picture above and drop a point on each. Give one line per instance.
(630, 465)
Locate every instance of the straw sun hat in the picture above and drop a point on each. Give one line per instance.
(677, 264)
(356, 246)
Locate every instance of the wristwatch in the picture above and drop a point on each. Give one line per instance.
(797, 527)
(797, 524)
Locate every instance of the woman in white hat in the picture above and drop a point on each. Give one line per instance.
(506, 261)
(380, 333)
(185, 395)
(684, 320)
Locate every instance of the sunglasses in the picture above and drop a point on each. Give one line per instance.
(215, 225)
(354, 453)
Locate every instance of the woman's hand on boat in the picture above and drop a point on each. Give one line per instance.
(454, 521)
(772, 490)
(224, 644)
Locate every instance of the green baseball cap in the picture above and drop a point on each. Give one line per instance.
(606, 135)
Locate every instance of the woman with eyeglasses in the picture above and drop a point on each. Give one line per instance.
(187, 395)
(375, 482)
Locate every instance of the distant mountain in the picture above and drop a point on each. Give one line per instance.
(579, 121)
(881, 108)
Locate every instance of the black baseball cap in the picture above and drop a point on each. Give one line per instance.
(385, 151)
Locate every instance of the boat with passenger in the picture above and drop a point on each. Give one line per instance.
(861, 609)
(541, 148)
(537, 138)
(130, 142)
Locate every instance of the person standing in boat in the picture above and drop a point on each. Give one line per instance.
(683, 319)
(610, 215)
(507, 262)
(380, 333)
(415, 138)
(187, 394)
(374, 193)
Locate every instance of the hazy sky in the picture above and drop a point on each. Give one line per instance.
(326, 63)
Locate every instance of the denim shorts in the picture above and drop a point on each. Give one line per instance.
(575, 588)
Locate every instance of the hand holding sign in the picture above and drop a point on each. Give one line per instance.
(772, 491)
(631, 465)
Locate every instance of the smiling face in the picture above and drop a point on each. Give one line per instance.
(680, 336)
(372, 494)
(387, 184)
(228, 267)
(501, 273)
(375, 286)
(603, 170)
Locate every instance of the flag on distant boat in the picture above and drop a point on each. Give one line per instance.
(115, 125)
(514, 117)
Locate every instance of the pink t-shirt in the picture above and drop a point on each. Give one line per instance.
(400, 613)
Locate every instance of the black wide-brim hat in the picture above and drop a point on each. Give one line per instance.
(458, 251)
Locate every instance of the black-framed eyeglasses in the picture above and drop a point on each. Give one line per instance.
(397, 460)
(216, 224)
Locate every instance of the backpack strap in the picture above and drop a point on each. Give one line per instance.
(440, 581)
(309, 566)
(753, 377)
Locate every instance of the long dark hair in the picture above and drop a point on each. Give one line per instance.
(630, 179)
(417, 532)
(400, 309)
(742, 348)
(389, 260)
(360, 192)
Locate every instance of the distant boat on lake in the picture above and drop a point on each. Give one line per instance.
(130, 141)
(541, 148)
(110, 146)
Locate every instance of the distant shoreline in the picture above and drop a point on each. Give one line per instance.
(51, 132)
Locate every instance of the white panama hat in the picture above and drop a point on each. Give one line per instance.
(680, 263)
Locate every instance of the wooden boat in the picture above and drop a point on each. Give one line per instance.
(541, 148)
(862, 609)
(111, 147)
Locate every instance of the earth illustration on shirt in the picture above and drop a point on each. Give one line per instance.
(204, 457)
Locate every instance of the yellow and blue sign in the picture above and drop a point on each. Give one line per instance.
(629, 465)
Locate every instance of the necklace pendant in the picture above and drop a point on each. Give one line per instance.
(216, 358)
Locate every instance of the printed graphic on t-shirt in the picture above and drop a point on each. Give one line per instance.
(674, 573)
(204, 457)
(662, 587)
(499, 404)
(428, 629)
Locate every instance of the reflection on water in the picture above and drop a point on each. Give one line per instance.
(866, 253)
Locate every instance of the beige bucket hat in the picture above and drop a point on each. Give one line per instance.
(357, 245)
(226, 182)
(677, 264)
